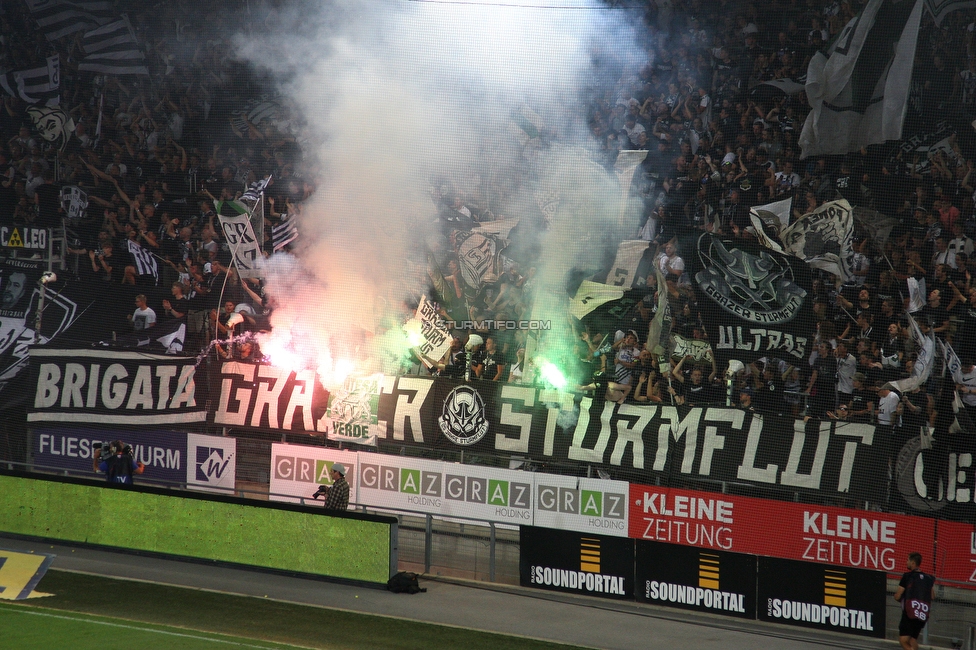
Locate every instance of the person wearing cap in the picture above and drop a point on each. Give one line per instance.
(337, 494)
(745, 399)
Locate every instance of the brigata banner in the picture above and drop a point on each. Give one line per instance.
(955, 558)
(114, 387)
(823, 597)
(654, 442)
(297, 471)
(578, 563)
(202, 462)
(266, 397)
(698, 579)
(828, 535)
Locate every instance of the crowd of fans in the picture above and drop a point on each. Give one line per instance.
(175, 148)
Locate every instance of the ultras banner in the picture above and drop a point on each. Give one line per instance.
(114, 387)
(754, 302)
(656, 442)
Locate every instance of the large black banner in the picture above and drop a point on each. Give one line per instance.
(649, 442)
(753, 301)
(822, 596)
(266, 397)
(114, 387)
(578, 563)
(701, 579)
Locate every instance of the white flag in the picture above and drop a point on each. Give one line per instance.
(916, 294)
(924, 360)
(824, 238)
(244, 246)
(427, 333)
(858, 92)
(624, 270)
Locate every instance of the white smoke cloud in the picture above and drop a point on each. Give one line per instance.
(399, 94)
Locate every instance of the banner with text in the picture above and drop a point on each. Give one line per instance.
(823, 534)
(202, 462)
(702, 580)
(577, 563)
(852, 601)
(114, 387)
(297, 471)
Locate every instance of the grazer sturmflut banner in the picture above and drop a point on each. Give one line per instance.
(114, 387)
(655, 442)
(754, 302)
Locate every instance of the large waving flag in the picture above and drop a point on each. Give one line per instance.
(41, 85)
(113, 49)
(58, 18)
(858, 91)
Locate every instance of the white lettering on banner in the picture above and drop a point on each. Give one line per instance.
(526, 395)
(673, 524)
(245, 398)
(408, 407)
(696, 596)
(857, 529)
(579, 580)
(791, 475)
(78, 387)
(84, 448)
(824, 614)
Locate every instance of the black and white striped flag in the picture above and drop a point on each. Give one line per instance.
(58, 18)
(257, 188)
(35, 86)
(284, 233)
(145, 262)
(113, 49)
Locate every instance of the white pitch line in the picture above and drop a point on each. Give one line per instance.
(22, 610)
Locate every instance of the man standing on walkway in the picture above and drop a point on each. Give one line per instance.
(336, 495)
(915, 592)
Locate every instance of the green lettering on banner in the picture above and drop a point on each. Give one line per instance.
(410, 481)
(497, 492)
(591, 503)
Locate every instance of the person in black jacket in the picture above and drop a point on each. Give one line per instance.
(915, 592)
(119, 466)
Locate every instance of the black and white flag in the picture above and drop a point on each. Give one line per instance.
(256, 189)
(284, 233)
(57, 18)
(113, 49)
(244, 246)
(145, 262)
(754, 302)
(40, 85)
(74, 200)
(824, 238)
(941, 8)
(858, 91)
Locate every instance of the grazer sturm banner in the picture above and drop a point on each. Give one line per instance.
(170, 456)
(297, 471)
(446, 489)
(657, 442)
(839, 537)
(427, 333)
(351, 413)
(705, 580)
(578, 563)
(114, 387)
(754, 302)
(266, 397)
(838, 599)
